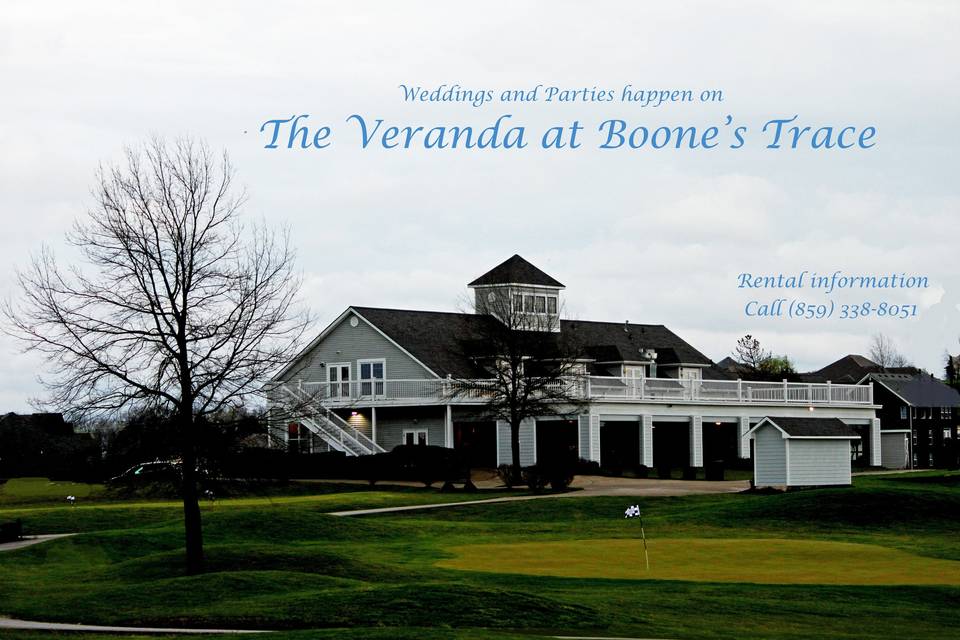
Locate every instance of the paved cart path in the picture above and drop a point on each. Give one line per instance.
(32, 540)
(12, 623)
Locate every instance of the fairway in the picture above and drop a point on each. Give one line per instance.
(765, 561)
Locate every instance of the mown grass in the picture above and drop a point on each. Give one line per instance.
(284, 564)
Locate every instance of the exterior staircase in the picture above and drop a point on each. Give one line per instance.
(339, 434)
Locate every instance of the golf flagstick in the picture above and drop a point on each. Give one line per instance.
(643, 534)
(634, 512)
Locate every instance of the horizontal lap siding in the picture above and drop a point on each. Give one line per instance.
(355, 343)
(392, 423)
(770, 457)
(819, 462)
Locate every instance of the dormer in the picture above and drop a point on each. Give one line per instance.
(519, 294)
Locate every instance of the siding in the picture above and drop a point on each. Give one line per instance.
(819, 462)
(769, 457)
(355, 343)
(392, 422)
(894, 450)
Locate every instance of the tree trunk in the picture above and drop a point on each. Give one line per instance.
(515, 449)
(193, 530)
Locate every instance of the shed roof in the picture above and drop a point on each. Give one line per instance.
(809, 428)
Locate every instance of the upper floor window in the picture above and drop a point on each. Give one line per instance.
(903, 413)
(945, 413)
(536, 304)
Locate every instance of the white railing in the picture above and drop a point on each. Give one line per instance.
(365, 392)
(729, 391)
(331, 428)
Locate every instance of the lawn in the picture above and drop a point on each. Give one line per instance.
(282, 563)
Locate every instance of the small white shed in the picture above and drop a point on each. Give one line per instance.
(801, 452)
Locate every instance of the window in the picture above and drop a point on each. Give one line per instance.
(528, 304)
(415, 436)
(298, 438)
(552, 305)
(945, 413)
(372, 377)
(517, 303)
(903, 413)
(540, 304)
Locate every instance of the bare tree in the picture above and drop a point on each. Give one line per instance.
(533, 369)
(749, 352)
(176, 305)
(884, 352)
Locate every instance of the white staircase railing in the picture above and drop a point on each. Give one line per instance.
(332, 429)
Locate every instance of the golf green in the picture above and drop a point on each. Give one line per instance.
(762, 560)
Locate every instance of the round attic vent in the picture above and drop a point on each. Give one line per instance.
(354, 321)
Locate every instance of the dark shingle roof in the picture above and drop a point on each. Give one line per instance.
(814, 427)
(444, 341)
(849, 369)
(438, 339)
(629, 340)
(515, 270)
(920, 390)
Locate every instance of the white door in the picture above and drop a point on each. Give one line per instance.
(338, 378)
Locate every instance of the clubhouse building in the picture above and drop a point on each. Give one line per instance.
(379, 378)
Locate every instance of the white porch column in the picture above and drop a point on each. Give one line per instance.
(595, 437)
(696, 441)
(589, 427)
(646, 441)
(743, 443)
(875, 446)
(504, 452)
(448, 428)
(373, 424)
(528, 442)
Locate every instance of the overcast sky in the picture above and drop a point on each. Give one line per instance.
(649, 236)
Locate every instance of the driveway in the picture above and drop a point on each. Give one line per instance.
(588, 487)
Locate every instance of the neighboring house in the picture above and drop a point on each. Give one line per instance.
(378, 378)
(920, 413)
(802, 452)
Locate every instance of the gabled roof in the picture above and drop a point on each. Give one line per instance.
(918, 390)
(515, 270)
(809, 428)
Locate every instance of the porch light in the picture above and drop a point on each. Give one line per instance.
(810, 408)
(353, 414)
(717, 423)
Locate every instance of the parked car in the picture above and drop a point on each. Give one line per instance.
(148, 472)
